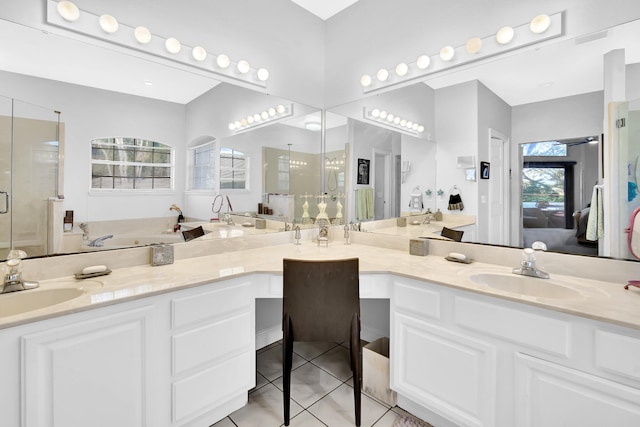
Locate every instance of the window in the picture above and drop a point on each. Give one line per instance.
(546, 148)
(203, 167)
(234, 167)
(131, 164)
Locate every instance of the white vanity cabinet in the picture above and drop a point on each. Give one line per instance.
(460, 358)
(184, 358)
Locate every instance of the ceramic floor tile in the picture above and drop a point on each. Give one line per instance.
(387, 419)
(225, 422)
(260, 382)
(337, 409)
(269, 362)
(264, 409)
(311, 350)
(305, 419)
(309, 384)
(336, 361)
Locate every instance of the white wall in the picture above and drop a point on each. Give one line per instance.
(93, 113)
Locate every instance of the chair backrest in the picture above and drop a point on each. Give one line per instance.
(321, 298)
(193, 233)
(455, 235)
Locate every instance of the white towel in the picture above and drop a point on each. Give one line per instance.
(595, 223)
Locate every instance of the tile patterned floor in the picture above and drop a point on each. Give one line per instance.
(321, 391)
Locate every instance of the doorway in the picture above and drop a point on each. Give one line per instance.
(499, 197)
(381, 184)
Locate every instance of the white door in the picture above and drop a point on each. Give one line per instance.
(381, 185)
(498, 189)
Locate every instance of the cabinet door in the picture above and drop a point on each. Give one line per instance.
(448, 373)
(88, 374)
(552, 395)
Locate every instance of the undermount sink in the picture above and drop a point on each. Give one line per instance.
(524, 285)
(34, 299)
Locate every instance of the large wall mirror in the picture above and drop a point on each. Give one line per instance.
(537, 96)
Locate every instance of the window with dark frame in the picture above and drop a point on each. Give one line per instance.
(233, 169)
(130, 164)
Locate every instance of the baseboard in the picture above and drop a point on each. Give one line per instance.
(268, 336)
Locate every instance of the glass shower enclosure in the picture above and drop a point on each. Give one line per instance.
(29, 175)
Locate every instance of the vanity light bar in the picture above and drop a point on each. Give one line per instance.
(67, 15)
(539, 29)
(391, 121)
(256, 120)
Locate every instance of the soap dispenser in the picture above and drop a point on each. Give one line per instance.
(438, 215)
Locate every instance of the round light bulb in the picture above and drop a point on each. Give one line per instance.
(142, 35)
(199, 53)
(423, 62)
(375, 113)
(390, 117)
(382, 75)
(420, 128)
(383, 114)
(474, 45)
(504, 35)
(280, 109)
(446, 53)
(243, 67)
(403, 123)
(232, 126)
(402, 69)
(244, 122)
(257, 117)
(238, 123)
(264, 115)
(271, 111)
(540, 24)
(172, 45)
(396, 121)
(223, 61)
(108, 23)
(68, 10)
(409, 124)
(263, 74)
(365, 80)
(415, 126)
(250, 119)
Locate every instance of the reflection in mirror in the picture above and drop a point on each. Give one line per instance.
(29, 145)
(550, 100)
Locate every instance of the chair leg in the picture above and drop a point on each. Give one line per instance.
(356, 366)
(287, 362)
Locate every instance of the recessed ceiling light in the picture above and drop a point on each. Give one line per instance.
(148, 83)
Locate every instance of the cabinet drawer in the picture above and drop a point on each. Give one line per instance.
(423, 302)
(536, 331)
(212, 387)
(210, 304)
(211, 342)
(617, 353)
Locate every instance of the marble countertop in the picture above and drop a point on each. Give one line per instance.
(593, 299)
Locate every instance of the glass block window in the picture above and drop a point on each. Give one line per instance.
(131, 164)
(234, 169)
(203, 167)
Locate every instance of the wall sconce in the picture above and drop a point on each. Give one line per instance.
(65, 14)
(391, 121)
(256, 120)
(539, 29)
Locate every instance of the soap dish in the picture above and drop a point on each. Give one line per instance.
(88, 275)
(463, 261)
(247, 224)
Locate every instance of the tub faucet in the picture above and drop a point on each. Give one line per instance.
(228, 219)
(99, 242)
(528, 263)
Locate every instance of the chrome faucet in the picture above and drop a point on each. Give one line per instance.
(428, 218)
(99, 242)
(228, 219)
(528, 264)
(13, 280)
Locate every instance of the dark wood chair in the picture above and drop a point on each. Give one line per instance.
(455, 235)
(321, 302)
(193, 233)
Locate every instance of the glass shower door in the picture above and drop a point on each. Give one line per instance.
(29, 175)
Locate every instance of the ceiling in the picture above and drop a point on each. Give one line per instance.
(324, 9)
(559, 69)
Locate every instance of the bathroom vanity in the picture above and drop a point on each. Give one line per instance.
(175, 345)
